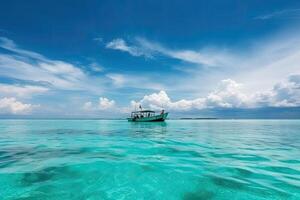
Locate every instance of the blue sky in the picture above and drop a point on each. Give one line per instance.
(193, 58)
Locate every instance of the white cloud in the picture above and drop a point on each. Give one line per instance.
(143, 47)
(96, 67)
(11, 46)
(121, 45)
(87, 106)
(12, 106)
(287, 13)
(266, 61)
(283, 94)
(117, 79)
(160, 100)
(105, 103)
(19, 68)
(21, 90)
(190, 56)
(229, 94)
(62, 68)
(156, 100)
(254, 69)
(207, 57)
(30, 66)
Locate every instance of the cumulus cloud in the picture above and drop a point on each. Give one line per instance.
(283, 94)
(102, 104)
(160, 100)
(229, 94)
(266, 61)
(105, 103)
(12, 106)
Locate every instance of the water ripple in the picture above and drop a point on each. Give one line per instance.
(92, 159)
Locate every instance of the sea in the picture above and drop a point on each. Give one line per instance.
(176, 159)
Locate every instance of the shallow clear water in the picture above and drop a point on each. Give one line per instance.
(99, 159)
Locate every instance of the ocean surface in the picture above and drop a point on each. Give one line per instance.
(178, 159)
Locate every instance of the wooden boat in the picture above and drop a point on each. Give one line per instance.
(147, 116)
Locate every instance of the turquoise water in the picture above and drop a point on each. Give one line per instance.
(102, 159)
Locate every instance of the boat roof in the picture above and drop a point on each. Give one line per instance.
(144, 111)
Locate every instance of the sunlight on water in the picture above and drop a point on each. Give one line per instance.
(99, 159)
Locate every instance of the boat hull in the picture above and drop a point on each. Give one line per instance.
(156, 118)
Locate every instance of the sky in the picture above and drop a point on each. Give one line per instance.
(102, 59)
